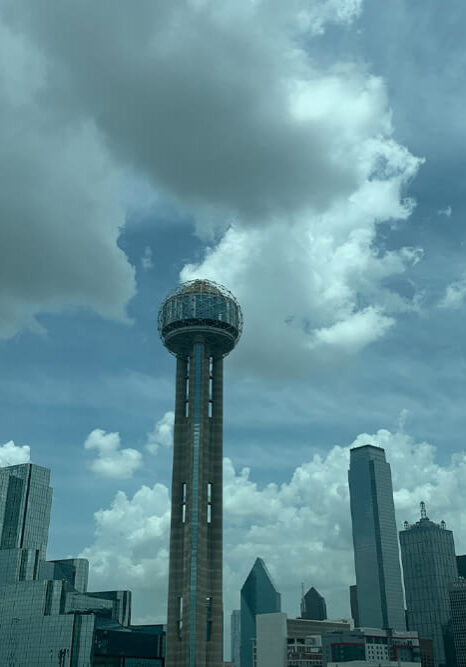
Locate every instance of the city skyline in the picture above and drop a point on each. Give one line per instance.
(300, 159)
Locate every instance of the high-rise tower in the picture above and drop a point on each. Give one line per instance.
(375, 539)
(429, 567)
(259, 595)
(200, 323)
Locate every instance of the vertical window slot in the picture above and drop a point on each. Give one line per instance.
(211, 384)
(208, 604)
(180, 617)
(209, 503)
(183, 502)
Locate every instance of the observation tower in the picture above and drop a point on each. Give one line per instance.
(199, 322)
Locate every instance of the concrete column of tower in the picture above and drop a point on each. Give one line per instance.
(200, 323)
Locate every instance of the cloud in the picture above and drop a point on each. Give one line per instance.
(445, 211)
(200, 97)
(304, 522)
(58, 202)
(290, 165)
(11, 454)
(146, 259)
(454, 296)
(162, 435)
(112, 461)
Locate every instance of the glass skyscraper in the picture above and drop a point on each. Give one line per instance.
(375, 540)
(258, 596)
(47, 616)
(235, 628)
(313, 606)
(429, 567)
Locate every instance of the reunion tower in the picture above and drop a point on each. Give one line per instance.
(200, 323)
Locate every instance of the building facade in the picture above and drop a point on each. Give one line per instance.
(235, 629)
(313, 606)
(429, 567)
(461, 565)
(353, 592)
(371, 646)
(47, 615)
(199, 322)
(376, 553)
(291, 642)
(457, 594)
(258, 596)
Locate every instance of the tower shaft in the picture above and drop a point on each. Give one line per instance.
(195, 621)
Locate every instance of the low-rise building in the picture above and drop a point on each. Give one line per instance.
(371, 646)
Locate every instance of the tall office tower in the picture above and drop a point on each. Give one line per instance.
(200, 323)
(46, 614)
(25, 501)
(376, 554)
(429, 567)
(461, 565)
(258, 596)
(313, 606)
(353, 592)
(457, 596)
(235, 628)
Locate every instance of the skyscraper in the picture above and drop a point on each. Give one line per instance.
(235, 628)
(429, 567)
(313, 606)
(353, 591)
(200, 323)
(25, 501)
(461, 565)
(376, 553)
(258, 596)
(47, 616)
(458, 619)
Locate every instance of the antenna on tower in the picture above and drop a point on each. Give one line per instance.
(423, 510)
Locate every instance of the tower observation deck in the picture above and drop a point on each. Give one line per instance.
(199, 322)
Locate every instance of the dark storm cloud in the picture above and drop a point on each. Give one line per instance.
(196, 96)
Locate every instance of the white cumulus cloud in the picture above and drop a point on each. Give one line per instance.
(11, 454)
(302, 527)
(112, 461)
(454, 295)
(162, 435)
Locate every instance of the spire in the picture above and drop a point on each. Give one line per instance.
(423, 510)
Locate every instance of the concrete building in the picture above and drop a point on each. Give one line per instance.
(258, 596)
(371, 646)
(457, 594)
(235, 631)
(199, 322)
(313, 606)
(291, 642)
(376, 553)
(429, 567)
(47, 615)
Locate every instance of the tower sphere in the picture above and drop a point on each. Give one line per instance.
(200, 308)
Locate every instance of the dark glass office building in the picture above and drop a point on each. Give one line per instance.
(429, 567)
(258, 596)
(313, 606)
(375, 540)
(47, 615)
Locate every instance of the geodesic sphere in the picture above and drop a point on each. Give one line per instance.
(200, 308)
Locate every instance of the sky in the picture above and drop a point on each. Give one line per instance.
(309, 156)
